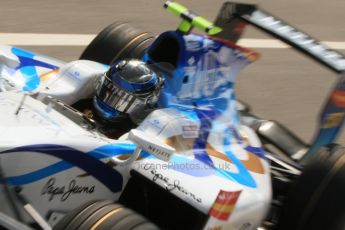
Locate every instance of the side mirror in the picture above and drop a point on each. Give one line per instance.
(151, 144)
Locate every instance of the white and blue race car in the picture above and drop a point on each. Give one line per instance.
(200, 160)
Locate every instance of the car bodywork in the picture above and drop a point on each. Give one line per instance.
(217, 157)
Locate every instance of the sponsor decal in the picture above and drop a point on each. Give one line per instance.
(333, 120)
(160, 153)
(332, 58)
(190, 131)
(338, 98)
(74, 75)
(170, 185)
(64, 192)
(156, 123)
(193, 45)
(224, 205)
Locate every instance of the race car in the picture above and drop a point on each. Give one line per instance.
(197, 158)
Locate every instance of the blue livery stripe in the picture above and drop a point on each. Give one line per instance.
(28, 68)
(89, 162)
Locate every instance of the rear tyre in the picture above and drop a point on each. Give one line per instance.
(317, 198)
(117, 41)
(104, 215)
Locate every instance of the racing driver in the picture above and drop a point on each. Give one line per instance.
(125, 95)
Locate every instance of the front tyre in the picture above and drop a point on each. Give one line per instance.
(116, 42)
(104, 215)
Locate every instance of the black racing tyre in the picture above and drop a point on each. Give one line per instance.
(317, 199)
(104, 215)
(117, 41)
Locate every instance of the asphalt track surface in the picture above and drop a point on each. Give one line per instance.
(283, 85)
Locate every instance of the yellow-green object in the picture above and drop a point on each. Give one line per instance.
(184, 26)
(175, 8)
(191, 20)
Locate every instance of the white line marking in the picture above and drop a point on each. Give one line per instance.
(18, 39)
(276, 44)
(262, 43)
(30, 39)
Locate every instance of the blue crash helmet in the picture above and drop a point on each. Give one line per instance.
(129, 87)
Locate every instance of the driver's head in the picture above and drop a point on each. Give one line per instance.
(130, 88)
